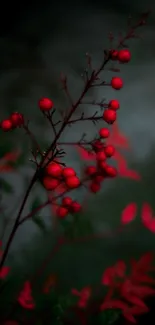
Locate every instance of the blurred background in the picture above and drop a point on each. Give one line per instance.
(38, 41)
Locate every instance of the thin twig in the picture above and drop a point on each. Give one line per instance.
(66, 121)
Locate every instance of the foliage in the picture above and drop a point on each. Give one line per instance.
(122, 289)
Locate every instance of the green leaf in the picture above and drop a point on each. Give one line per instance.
(36, 203)
(40, 223)
(4, 147)
(79, 226)
(36, 219)
(5, 186)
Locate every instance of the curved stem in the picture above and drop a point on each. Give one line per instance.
(89, 83)
(16, 221)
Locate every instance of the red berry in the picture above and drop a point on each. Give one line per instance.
(67, 201)
(17, 119)
(72, 181)
(62, 212)
(104, 133)
(95, 187)
(114, 55)
(102, 165)
(98, 179)
(68, 171)
(91, 170)
(109, 116)
(6, 125)
(114, 104)
(109, 151)
(124, 56)
(54, 169)
(116, 83)
(45, 104)
(75, 207)
(101, 155)
(50, 183)
(111, 171)
(97, 145)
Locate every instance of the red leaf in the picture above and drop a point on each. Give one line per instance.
(117, 138)
(146, 213)
(8, 157)
(145, 262)
(123, 168)
(118, 304)
(108, 276)
(135, 300)
(83, 295)
(4, 272)
(49, 283)
(25, 297)
(129, 317)
(129, 213)
(126, 288)
(143, 278)
(120, 268)
(75, 292)
(143, 291)
(12, 156)
(6, 168)
(85, 154)
(137, 310)
(150, 226)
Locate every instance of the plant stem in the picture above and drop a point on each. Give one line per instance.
(89, 83)
(16, 221)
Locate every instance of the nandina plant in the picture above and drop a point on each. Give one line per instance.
(126, 292)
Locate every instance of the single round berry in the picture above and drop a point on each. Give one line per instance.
(116, 83)
(95, 187)
(75, 207)
(111, 171)
(62, 212)
(109, 116)
(68, 171)
(6, 125)
(67, 201)
(114, 55)
(72, 182)
(54, 169)
(114, 104)
(17, 119)
(91, 170)
(109, 151)
(45, 104)
(101, 155)
(50, 183)
(104, 133)
(124, 56)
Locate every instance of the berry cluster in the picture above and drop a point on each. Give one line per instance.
(122, 56)
(68, 206)
(15, 120)
(102, 170)
(56, 175)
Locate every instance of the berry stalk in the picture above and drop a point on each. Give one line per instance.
(109, 115)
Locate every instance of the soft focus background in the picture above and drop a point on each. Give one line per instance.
(37, 43)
